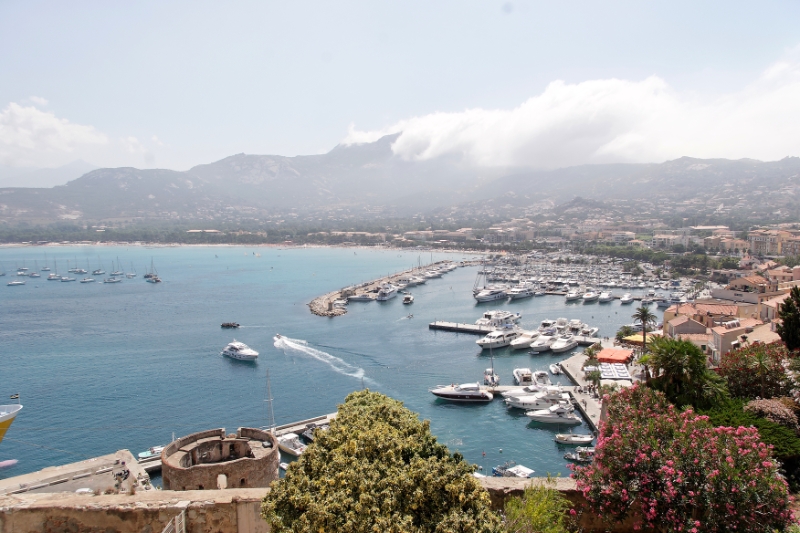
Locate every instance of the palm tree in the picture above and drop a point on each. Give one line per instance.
(644, 317)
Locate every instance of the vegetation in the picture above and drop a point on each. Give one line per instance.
(624, 331)
(541, 509)
(378, 468)
(647, 319)
(789, 313)
(681, 373)
(674, 471)
(756, 370)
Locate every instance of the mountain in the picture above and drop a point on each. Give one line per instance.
(368, 180)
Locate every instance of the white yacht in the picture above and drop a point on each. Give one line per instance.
(510, 469)
(626, 299)
(15, 283)
(564, 343)
(590, 296)
(490, 295)
(363, 297)
(572, 296)
(408, 299)
(387, 292)
(498, 339)
(557, 414)
(555, 369)
(53, 277)
(606, 296)
(518, 293)
(545, 340)
(239, 350)
(570, 438)
(525, 340)
(545, 399)
(546, 324)
(290, 443)
(466, 392)
(498, 319)
(589, 331)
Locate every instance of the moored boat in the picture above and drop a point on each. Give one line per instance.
(7, 415)
(557, 414)
(290, 443)
(511, 469)
(239, 350)
(466, 392)
(572, 439)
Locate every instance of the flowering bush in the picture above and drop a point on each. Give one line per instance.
(758, 370)
(674, 471)
(775, 411)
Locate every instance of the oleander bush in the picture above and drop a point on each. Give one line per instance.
(540, 509)
(378, 469)
(672, 470)
(758, 370)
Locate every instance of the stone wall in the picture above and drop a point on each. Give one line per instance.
(219, 511)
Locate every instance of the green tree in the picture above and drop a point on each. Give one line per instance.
(789, 313)
(541, 509)
(647, 319)
(624, 331)
(378, 468)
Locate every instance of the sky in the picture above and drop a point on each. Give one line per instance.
(537, 83)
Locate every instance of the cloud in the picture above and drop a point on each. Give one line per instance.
(613, 120)
(31, 137)
(38, 100)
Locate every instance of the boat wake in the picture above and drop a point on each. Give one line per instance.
(300, 346)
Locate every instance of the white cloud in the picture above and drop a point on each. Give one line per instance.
(132, 145)
(31, 137)
(156, 140)
(38, 100)
(614, 120)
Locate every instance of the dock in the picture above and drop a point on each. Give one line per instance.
(458, 327)
(299, 427)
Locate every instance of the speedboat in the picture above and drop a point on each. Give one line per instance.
(564, 343)
(490, 295)
(523, 376)
(570, 438)
(525, 340)
(498, 339)
(518, 293)
(580, 455)
(543, 343)
(466, 392)
(151, 453)
(239, 350)
(511, 469)
(545, 399)
(590, 296)
(572, 296)
(408, 299)
(557, 414)
(290, 443)
(626, 299)
(555, 369)
(605, 297)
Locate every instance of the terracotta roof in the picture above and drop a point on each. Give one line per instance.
(678, 320)
(695, 336)
(763, 334)
(743, 323)
(702, 309)
(777, 300)
(756, 280)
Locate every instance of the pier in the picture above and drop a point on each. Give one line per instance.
(458, 327)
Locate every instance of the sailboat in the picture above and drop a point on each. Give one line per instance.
(53, 276)
(118, 271)
(489, 377)
(152, 275)
(132, 274)
(45, 268)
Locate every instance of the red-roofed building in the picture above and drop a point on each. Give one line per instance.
(726, 336)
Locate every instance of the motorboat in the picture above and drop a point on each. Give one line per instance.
(518, 293)
(466, 392)
(626, 299)
(239, 350)
(490, 378)
(589, 331)
(151, 453)
(555, 369)
(87, 280)
(647, 300)
(564, 343)
(386, 292)
(363, 297)
(309, 433)
(34, 275)
(7, 415)
(15, 283)
(408, 299)
(290, 443)
(498, 319)
(490, 295)
(228, 325)
(572, 296)
(544, 341)
(498, 339)
(546, 324)
(590, 296)
(511, 469)
(572, 439)
(605, 297)
(53, 277)
(580, 455)
(523, 376)
(544, 399)
(525, 340)
(557, 414)
(575, 325)
(541, 383)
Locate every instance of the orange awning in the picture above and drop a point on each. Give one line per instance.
(615, 355)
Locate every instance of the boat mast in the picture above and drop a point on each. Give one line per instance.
(271, 420)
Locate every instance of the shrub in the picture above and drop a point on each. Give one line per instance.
(678, 472)
(378, 468)
(756, 371)
(541, 509)
(774, 411)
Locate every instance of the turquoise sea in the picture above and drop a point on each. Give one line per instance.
(101, 367)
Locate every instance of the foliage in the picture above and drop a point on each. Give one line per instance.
(378, 468)
(774, 411)
(682, 374)
(756, 370)
(624, 331)
(674, 471)
(541, 509)
(594, 377)
(789, 313)
(646, 318)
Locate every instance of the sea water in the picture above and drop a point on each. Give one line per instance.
(100, 367)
